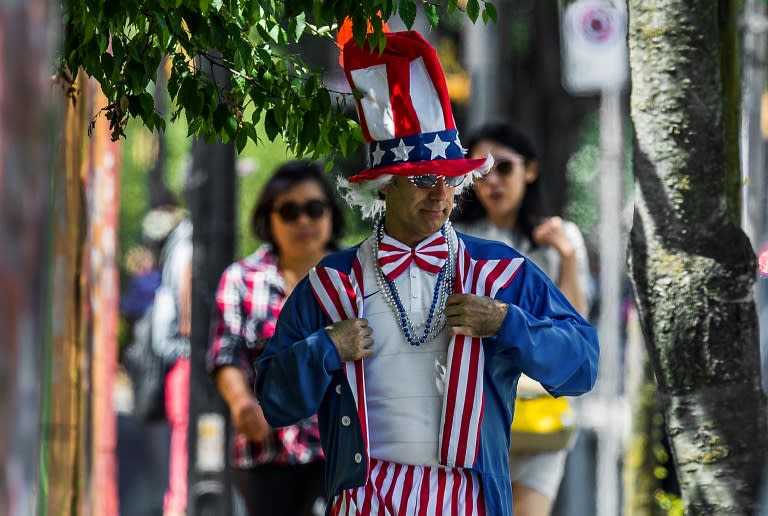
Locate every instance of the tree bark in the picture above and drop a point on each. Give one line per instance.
(100, 273)
(62, 388)
(693, 269)
(27, 36)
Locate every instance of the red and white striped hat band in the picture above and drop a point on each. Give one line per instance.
(405, 112)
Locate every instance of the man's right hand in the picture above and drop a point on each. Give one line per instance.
(352, 339)
(248, 419)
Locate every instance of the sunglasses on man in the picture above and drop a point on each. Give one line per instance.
(427, 181)
(291, 211)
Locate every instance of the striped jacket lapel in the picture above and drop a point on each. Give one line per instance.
(463, 399)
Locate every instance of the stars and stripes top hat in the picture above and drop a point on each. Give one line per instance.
(405, 111)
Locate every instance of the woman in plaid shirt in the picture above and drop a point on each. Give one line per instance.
(277, 471)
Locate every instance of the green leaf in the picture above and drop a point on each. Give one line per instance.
(103, 42)
(432, 15)
(194, 126)
(164, 36)
(407, 10)
(296, 27)
(241, 140)
(220, 116)
(270, 125)
(267, 78)
(489, 12)
(251, 132)
(189, 96)
(147, 104)
(382, 42)
(158, 122)
(230, 125)
(323, 100)
(275, 32)
(108, 63)
(473, 9)
(344, 140)
(359, 29)
(256, 116)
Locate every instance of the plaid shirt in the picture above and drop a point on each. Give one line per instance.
(250, 295)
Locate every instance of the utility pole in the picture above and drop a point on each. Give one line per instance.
(596, 60)
(754, 205)
(609, 391)
(211, 197)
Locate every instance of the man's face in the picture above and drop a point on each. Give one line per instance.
(412, 214)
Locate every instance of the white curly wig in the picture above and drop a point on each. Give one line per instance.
(365, 194)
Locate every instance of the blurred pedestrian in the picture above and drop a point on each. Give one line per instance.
(144, 278)
(508, 204)
(278, 472)
(171, 328)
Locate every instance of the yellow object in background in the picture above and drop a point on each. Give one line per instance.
(542, 423)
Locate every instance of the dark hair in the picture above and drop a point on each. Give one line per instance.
(534, 203)
(288, 175)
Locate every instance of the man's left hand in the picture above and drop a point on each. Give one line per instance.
(475, 316)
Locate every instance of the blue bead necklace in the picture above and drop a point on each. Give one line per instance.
(433, 324)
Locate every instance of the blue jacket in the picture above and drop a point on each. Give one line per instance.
(300, 371)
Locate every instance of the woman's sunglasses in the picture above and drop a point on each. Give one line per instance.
(502, 167)
(291, 211)
(427, 181)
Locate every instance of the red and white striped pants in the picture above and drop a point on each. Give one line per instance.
(404, 490)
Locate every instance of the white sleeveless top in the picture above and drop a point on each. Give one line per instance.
(404, 383)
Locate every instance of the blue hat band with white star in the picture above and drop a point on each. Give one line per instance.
(416, 148)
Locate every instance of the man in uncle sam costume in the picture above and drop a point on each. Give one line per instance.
(409, 346)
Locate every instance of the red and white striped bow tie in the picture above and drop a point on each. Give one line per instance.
(395, 257)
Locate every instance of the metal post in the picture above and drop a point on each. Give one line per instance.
(482, 58)
(609, 327)
(754, 208)
(754, 75)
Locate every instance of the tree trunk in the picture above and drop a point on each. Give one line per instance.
(62, 384)
(27, 35)
(692, 267)
(100, 300)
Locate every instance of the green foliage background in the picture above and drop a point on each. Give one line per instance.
(255, 164)
(138, 155)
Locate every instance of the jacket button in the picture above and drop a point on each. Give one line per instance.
(345, 421)
(358, 458)
(338, 389)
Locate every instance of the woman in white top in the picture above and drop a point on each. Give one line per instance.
(508, 205)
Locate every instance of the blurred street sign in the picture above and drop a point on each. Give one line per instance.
(594, 45)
